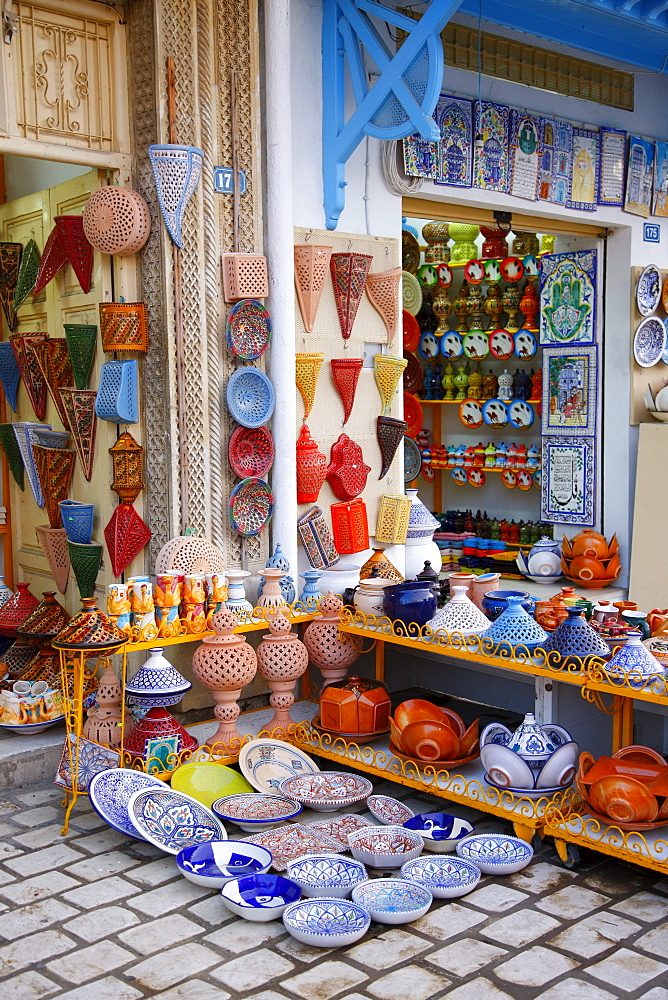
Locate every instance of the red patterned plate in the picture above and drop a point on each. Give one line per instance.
(412, 415)
(474, 272)
(412, 373)
(501, 344)
(251, 452)
(411, 331)
(512, 269)
(475, 477)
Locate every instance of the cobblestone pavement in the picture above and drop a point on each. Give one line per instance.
(95, 915)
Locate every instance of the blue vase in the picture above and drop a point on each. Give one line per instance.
(286, 583)
(575, 637)
(411, 603)
(310, 595)
(514, 627)
(77, 520)
(495, 602)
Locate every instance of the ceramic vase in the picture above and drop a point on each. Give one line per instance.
(236, 595)
(272, 595)
(368, 596)
(412, 603)
(481, 585)
(281, 658)
(332, 652)
(287, 584)
(77, 520)
(310, 595)
(225, 663)
(420, 545)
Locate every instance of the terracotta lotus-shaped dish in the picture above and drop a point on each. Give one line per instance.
(629, 789)
(422, 731)
(590, 560)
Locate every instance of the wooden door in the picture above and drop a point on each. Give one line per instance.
(62, 301)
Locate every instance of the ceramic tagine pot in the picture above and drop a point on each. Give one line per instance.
(575, 641)
(225, 663)
(514, 631)
(634, 664)
(281, 659)
(158, 739)
(548, 754)
(460, 615)
(420, 544)
(333, 652)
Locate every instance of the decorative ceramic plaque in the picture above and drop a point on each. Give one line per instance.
(525, 155)
(568, 484)
(490, 159)
(420, 157)
(584, 170)
(568, 298)
(639, 176)
(454, 116)
(660, 204)
(613, 161)
(569, 391)
(555, 165)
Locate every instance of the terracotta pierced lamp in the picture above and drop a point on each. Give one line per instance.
(126, 456)
(105, 720)
(349, 273)
(332, 651)
(54, 361)
(31, 373)
(311, 468)
(225, 663)
(311, 265)
(125, 535)
(383, 293)
(282, 658)
(54, 469)
(345, 375)
(53, 542)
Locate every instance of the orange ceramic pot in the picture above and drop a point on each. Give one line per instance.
(470, 739)
(589, 543)
(658, 621)
(356, 705)
(586, 568)
(430, 741)
(417, 710)
(624, 799)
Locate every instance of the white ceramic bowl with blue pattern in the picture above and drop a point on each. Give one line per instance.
(259, 897)
(495, 854)
(446, 878)
(326, 874)
(393, 900)
(441, 832)
(219, 861)
(326, 923)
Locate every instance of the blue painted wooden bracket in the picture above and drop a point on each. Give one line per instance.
(402, 99)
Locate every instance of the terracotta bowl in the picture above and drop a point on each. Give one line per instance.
(623, 799)
(586, 568)
(469, 739)
(591, 584)
(643, 755)
(430, 741)
(416, 710)
(590, 544)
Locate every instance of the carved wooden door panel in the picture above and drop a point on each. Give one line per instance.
(62, 301)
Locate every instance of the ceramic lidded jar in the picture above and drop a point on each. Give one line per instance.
(420, 544)
(533, 743)
(545, 558)
(331, 651)
(281, 659)
(575, 641)
(225, 663)
(368, 598)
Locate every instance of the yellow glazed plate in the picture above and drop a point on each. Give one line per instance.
(207, 782)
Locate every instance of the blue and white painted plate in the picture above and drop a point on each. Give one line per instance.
(412, 460)
(393, 900)
(171, 820)
(452, 344)
(649, 342)
(648, 290)
(266, 762)
(664, 356)
(520, 414)
(110, 791)
(326, 923)
(495, 413)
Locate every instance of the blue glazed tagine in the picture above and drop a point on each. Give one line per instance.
(514, 627)
(575, 638)
(412, 603)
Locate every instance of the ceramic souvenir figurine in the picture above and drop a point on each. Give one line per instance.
(143, 608)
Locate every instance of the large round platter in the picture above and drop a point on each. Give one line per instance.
(520, 414)
(526, 345)
(248, 329)
(410, 252)
(250, 397)
(428, 345)
(171, 820)
(474, 272)
(411, 293)
(459, 476)
(251, 452)
(412, 460)
(648, 290)
(512, 270)
(649, 342)
(109, 792)
(495, 413)
(476, 477)
(427, 275)
(266, 762)
(251, 506)
(412, 415)
(412, 373)
(470, 413)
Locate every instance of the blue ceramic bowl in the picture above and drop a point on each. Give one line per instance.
(327, 923)
(440, 831)
(446, 878)
(260, 897)
(496, 601)
(218, 861)
(412, 603)
(496, 854)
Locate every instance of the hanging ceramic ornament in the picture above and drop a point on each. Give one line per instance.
(311, 468)
(383, 293)
(347, 473)
(25, 437)
(177, 171)
(307, 370)
(53, 260)
(116, 220)
(390, 433)
(78, 250)
(349, 273)
(31, 373)
(117, 395)
(125, 535)
(126, 456)
(387, 370)
(85, 561)
(10, 260)
(54, 469)
(124, 326)
(311, 264)
(28, 268)
(54, 362)
(10, 375)
(81, 340)
(79, 405)
(10, 446)
(345, 375)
